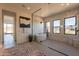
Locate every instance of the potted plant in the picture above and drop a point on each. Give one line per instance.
(30, 38)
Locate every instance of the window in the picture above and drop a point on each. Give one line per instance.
(48, 26)
(70, 24)
(56, 26)
(8, 28)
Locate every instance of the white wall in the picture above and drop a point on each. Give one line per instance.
(37, 26)
(21, 36)
(38, 29)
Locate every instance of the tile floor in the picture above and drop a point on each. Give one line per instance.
(29, 49)
(61, 47)
(45, 48)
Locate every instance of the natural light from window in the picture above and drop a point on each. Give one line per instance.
(56, 28)
(70, 24)
(48, 26)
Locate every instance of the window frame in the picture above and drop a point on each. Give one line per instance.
(59, 26)
(75, 25)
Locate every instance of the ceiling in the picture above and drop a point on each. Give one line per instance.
(47, 9)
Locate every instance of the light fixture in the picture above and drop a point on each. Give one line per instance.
(40, 22)
(28, 8)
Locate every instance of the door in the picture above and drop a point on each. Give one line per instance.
(8, 32)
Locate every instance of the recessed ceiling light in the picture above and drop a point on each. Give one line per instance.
(28, 8)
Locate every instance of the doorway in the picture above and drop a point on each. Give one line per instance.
(8, 31)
